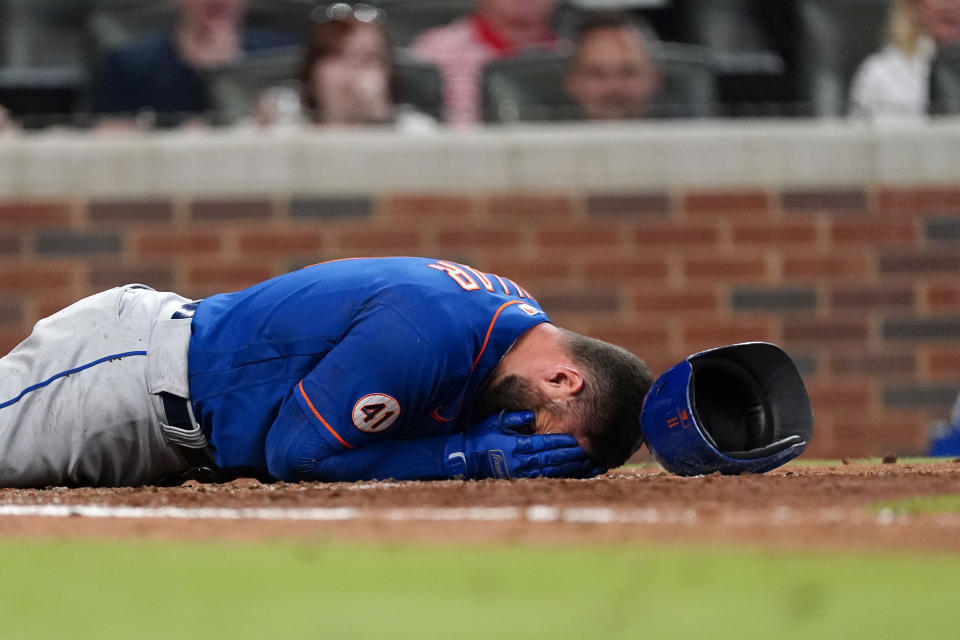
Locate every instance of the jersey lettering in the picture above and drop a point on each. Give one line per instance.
(471, 279)
(458, 273)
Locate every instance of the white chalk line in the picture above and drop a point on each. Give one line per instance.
(777, 516)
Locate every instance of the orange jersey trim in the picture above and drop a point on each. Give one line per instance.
(320, 418)
(486, 338)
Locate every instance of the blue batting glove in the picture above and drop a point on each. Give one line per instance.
(494, 449)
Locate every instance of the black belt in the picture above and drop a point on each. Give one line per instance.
(177, 408)
(178, 415)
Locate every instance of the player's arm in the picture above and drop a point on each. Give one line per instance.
(354, 417)
(489, 450)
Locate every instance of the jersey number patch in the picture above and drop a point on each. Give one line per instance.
(375, 412)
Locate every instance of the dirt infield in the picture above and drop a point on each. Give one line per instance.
(797, 507)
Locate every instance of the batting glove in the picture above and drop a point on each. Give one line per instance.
(494, 449)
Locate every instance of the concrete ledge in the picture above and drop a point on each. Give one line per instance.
(616, 157)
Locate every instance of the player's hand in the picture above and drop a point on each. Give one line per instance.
(494, 449)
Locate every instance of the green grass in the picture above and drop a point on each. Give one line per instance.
(80, 589)
(922, 504)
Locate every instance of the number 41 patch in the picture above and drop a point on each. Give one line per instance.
(375, 412)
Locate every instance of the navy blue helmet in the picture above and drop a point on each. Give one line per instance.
(735, 409)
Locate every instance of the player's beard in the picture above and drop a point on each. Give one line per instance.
(512, 393)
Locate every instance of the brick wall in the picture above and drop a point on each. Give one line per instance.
(860, 284)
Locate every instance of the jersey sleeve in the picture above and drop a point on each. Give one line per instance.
(375, 385)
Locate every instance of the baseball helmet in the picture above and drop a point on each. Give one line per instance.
(735, 409)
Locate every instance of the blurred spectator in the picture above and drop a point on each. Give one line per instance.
(161, 74)
(496, 29)
(895, 82)
(347, 77)
(612, 75)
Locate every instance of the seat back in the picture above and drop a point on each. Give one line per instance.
(114, 23)
(833, 38)
(45, 33)
(945, 82)
(724, 25)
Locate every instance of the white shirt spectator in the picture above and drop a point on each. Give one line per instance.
(891, 84)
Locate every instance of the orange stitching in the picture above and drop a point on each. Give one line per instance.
(490, 330)
(320, 418)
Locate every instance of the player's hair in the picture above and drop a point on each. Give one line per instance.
(607, 409)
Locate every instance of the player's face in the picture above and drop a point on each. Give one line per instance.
(510, 393)
(612, 75)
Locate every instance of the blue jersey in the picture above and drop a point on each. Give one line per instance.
(346, 354)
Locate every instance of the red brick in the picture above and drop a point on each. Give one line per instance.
(860, 435)
(726, 201)
(381, 240)
(158, 276)
(11, 337)
(230, 210)
(864, 297)
(625, 269)
(27, 277)
(944, 363)
(873, 232)
(837, 394)
(529, 270)
(832, 266)
(664, 302)
(425, 205)
(589, 301)
(586, 237)
(922, 199)
(725, 267)
(708, 333)
(672, 235)
(30, 214)
(775, 234)
(522, 206)
(176, 243)
(809, 331)
(628, 204)
(11, 311)
(228, 276)
(10, 243)
(282, 243)
(866, 363)
(943, 296)
(478, 238)
(834, 200)
(127, 211)
(637, 339)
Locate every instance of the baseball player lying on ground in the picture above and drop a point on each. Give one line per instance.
(359, 369)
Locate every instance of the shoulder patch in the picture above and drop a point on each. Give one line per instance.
(375, 412)
(530, 310)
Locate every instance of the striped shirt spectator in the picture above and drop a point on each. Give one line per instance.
(497, 29)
